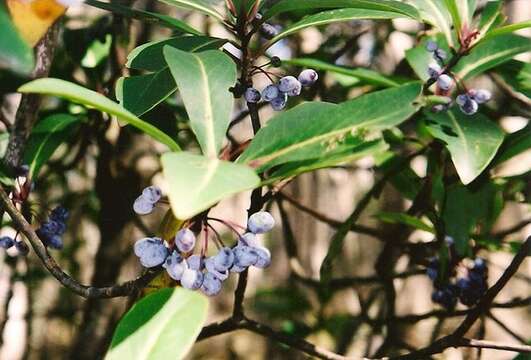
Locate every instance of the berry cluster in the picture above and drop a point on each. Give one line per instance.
(467, 289)
(198, 271)
(145, 203)
(288, 86)
(51, 231)
(469, 101)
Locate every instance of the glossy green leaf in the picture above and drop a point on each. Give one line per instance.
(517, 74)
(490, 13)
(401, 218)
(507, 29)
(467, 207)
(45, 138)
(471, 140)
(146, 16)
(163, 325)
(365, 75)
(490, 53)
(316, 128)
(453, 10)
(204, 80)
(197, 5)
(84, 96)
(350, 150)
(382, 5)
(419, 59)
(514, 144)
(332, 16)
(15, 54)
(139, 94)
(435, 13)
(197, 182)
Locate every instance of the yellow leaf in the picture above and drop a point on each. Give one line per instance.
(33, 18)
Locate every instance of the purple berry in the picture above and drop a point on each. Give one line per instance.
(224, 259)
(431, 46)
(268, 31)
(22, 248)
(264, 257)
(59, 214)
(191, 279)
(185, 240)
(244, 256)
(434, 70)
(252, 95)
(439, 54)
(152, 194)
(288, 83)
(211, 268)
(151, 251)
(270, 93)
(211, 285)
(260, 222)
(175, 266)
(461, 99)
(195, 262)
(482, 96)
(280, 102)
(445, 82)
(6, 242)
(142, 207)
(55, 242)
(470, 107)
(308, 77)
(249, 239)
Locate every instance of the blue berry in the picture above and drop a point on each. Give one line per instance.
(211, 268)
(55, 242)
(195, 262)
(263, 257)
(480, 265)
(308, 77)
(192, 279)
(434, 70)
(439, 54)
(288, 83)
(270, 93)
(260, 222)
(6, 242)
(142, 207)
(296, 91)
(469, 107)
(152, 194)
(268, 31)
(151, 251)
(431, 46)
(481, 96)
(280, 102)
(432, 268)
(59, 214)
(224, 259)
(22, 248)
(249, 239)
(211, 285)
(445, 82)
(446, 296)
(244, 256)
(252, 95)
(175, 266)
(185, 240)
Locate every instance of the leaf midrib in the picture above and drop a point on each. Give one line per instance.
(485, 59)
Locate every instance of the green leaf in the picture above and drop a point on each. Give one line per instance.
(315, 129)
(435, 13)
(163, 325)
(401, 218)
(332, 16)
(198, 5)
(204, 80)
(15, 54)
(490, 13)
(419, 59)
(84, 96)
(145, 16)
(366, 75)
(197, 182)
(139, 94)
(490, 53)
(45, 138)
(150, 56)
(517, 74)
(451, 6)
(467, 207)
(382, 5)
(514, 144)
(471, 140)
(351, 150)
(507, 29)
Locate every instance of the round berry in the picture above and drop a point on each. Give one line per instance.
(59, 214)
(275, 61)
(470, 107)
(151, 251)
(439, 54)
(264, 257)
(249, 239)
(270, 93)
(288, 83)
(260, 222)
(211, 285)
(252, 95)
(434, 70)
(296, 91)
(482, 96)
(22, 248)
(308, 77)
(175, 266)
(152, 194)
(268, 31)
(142, 207)
(55, 242)
(191, 279)
(224, 259)
(445, 82)
(195, 262)
(461, 99)
(185, 240)
(6, 242)
(280, 102)
(244, 256)
(238, 269)
(431, 46)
